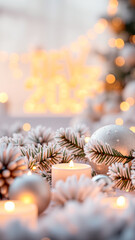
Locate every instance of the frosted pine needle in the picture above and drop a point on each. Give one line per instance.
(121, 176)
(71, 140)
(40, 135)
(102, 153)
(82, 130)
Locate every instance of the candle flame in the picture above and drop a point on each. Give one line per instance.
(71, 164)
(121, 202)
(9, 206)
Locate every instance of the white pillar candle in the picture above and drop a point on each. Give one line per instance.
(64, 170)
(16, 210)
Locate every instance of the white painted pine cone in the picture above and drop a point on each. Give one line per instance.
(12, 165)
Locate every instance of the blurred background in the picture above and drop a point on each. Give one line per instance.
(66, 62)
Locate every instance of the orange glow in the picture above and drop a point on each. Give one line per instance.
(119, 43)
(26, 198)
(9, 206)
(100, 26)
(110, 78)
(71, 164)
(3, 97)
(131, 101)
(124, 106)
(119, 121)
(26, 127)
(119, 61)
(132, 129)
(111, 42)
(112, 7)
(132, 39)
(117, 21)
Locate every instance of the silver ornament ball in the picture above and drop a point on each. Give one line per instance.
(107, 181)
(118, 137)
(31, 188)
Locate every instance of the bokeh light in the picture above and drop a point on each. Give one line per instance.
(119, 43)
(26, 127)
(119, 61)
(131, 101)
(119, 121)
(110, 78)
(111, 42)
(3, 97)
(124, 106)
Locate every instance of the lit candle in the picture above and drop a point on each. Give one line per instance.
(16, 210)
(117, 203)
(64, 170)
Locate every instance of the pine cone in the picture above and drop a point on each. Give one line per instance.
(74, 189)
(12, 165)
(40, 135)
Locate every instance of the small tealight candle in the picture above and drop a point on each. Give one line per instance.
(64, 170)
(16, 210)
(118, 203)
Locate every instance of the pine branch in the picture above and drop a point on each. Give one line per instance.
(48, 156)
(133, 170)
(121, 176)
(67, 156)
(102, 153)
(71, 140)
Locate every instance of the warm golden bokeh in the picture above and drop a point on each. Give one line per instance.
(119, 43)
(26, 127)
(124, 106)
(3, 97)
(100, 26)
(131, 101)
(132, 39)
(119, 61)
(119, 121)
(110, 78)
(111, 42)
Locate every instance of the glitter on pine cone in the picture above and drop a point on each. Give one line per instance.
(12, 165)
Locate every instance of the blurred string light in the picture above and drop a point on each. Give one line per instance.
(26, 127)
(110, 78)
(120, 61)
(3, 97)
(119, 43)
(124, 106)
(130, 100)
(119, 121)
(112, 7)
(101, 25)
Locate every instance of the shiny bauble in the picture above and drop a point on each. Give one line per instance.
(107, 181)
(118, 137)
(31, 189)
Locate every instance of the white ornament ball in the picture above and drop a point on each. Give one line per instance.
(118, 137)
(107, 181)
(31, 188)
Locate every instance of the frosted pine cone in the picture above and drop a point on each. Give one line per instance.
(74, 189)
(40, 135)
(12, 165)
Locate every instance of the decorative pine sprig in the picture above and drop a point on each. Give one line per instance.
(49, 155)
(121, 176)
(30, 151)
(67, 156)
(71, 140)
(103, 153)
(40, 135)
